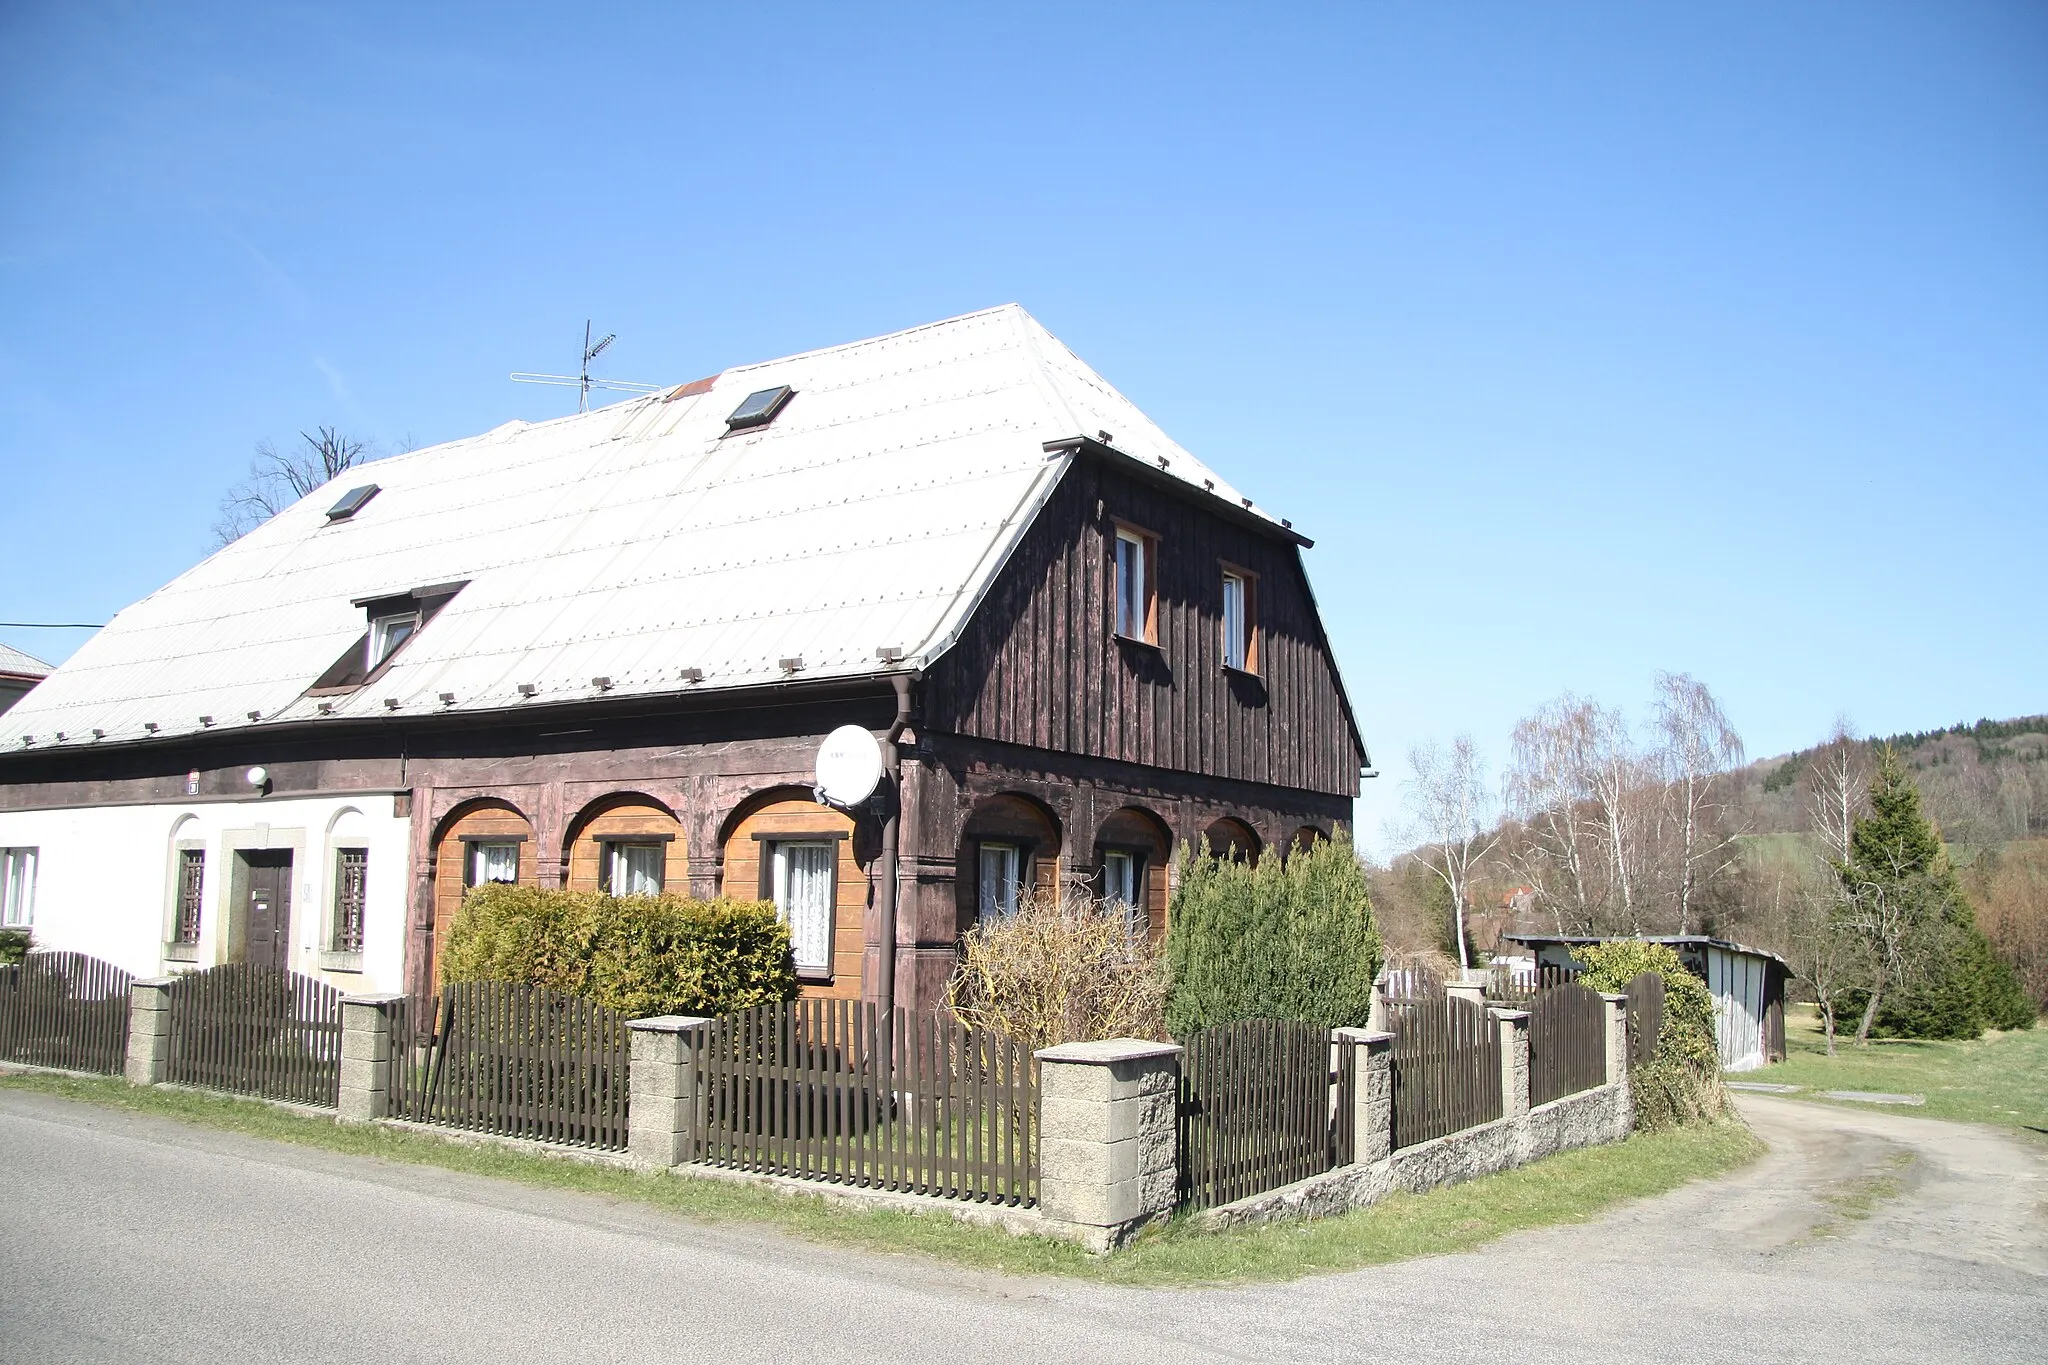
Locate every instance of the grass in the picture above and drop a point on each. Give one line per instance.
(1571, 1187)
(1856, 1198)
(2001, 1078)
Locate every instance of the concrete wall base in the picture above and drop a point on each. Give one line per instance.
(1586, 1119)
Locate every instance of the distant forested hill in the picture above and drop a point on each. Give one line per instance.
(1984, 784)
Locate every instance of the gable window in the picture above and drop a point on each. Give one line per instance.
(1001, 880)
(1240, 621)
(191, 895)
(631, 869)
(17, 887)
(1123, 882)
(351, 892)
(1135, 553)
(492, 862)
(803, 887)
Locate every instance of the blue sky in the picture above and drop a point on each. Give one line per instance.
(1586, 340)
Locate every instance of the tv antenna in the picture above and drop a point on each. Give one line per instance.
(582, 381)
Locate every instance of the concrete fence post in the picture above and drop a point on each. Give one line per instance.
(365, 1057)
(1372, 1093)
(1617, 1036)
(1473, 991)
(662, 1085)
(149, 1031)
(1108, 1137)
(1514, 1062)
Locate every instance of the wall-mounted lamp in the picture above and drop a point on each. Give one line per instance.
(259, 778)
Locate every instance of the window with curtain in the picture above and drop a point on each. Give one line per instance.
(1001, 880)
(191, 894)
(492, 863)
(1237, 634)
(803, 883)
(351, 894)
(1123, 882)
(1133, 613)
(634, 869)
(17, 887)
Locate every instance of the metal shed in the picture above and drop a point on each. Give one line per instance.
(1748, 986)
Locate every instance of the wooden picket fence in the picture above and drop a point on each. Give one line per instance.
(65, 1010)
(1263, 1103)
(515, 1060)
(1567, 1042)
(1645, 1012)
(1514, 989)
(831, 1090)
(256, 1031)
(1446, 1067)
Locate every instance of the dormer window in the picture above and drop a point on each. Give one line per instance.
(387, 633)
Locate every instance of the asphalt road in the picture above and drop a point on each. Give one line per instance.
(126, 1238)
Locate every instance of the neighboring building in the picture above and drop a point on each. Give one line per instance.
(18, 673)
(1748, 986)
(601, 652)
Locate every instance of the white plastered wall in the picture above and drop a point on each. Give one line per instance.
(106, 879)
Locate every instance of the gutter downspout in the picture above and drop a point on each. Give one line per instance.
(885, 989)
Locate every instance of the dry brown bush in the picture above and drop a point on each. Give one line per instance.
(1063, 969)
(2010, 889)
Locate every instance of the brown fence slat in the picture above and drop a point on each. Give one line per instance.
(1445, 1061)
(256, 1031)
(65, 1010)
(1255, 1110)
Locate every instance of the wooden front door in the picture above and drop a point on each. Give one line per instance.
(267, 907)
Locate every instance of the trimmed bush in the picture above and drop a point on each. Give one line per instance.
(1276, 939)
(1063, 969)
(1682, 1080)
(639, 955)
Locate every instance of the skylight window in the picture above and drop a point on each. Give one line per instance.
(352, 502)
(759, 409)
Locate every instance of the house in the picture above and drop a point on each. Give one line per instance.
(1748, 986)
(18, 673)
(601, 652)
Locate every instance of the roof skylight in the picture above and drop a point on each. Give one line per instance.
(352, 502)
(759, 408)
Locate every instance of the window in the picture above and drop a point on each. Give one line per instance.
(1134, 553)
(803, 891)
(352, 502)
(1240, 626)
(1123, 882)
(17, 887)
(492, 862)
(1001, 880)
(191, 895)
(387, 633)
(631, 869)
(351, 886)
(758, 409)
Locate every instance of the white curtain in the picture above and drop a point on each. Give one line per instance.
(17, 887)
(998, 881)
(493, 863)
(1120, 882)
(636, 869)
(803, 898)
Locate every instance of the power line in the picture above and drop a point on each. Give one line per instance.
(52, 625)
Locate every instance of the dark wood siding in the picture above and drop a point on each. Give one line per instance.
(1038, 664)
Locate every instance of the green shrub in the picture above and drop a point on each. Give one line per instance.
(14, 946)
(639, 955)
(1289, 938)
(1964, 988)
(1682, 1080)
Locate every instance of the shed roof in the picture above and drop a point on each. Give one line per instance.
(635, 542)
(1701, 940)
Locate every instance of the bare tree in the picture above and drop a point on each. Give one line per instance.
(1548, 791)
(277, 479)
(1822, 951)
(1699, 749)
(1449, 801)
(1837, 782)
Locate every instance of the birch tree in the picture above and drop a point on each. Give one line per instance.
(1448, 799)
(1699, 749)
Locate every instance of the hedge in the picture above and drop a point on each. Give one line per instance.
(1282, 938)
(639, 955)
(1682, 1079)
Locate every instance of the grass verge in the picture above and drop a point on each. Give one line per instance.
(2001, 1078)
(1570, 1187)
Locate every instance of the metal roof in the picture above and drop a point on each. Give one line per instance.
(1703, 940)
(14, 663)
(633, 543)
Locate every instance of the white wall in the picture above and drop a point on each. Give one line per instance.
(106, 878)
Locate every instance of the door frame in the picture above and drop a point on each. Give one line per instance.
(232, 944)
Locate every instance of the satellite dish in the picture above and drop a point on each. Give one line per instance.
(849, 766)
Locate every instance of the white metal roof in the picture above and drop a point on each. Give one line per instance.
(632, 543)
(17, 664)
